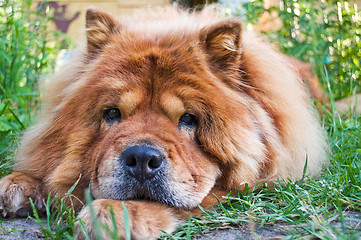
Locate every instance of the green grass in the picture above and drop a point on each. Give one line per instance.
(311, 206)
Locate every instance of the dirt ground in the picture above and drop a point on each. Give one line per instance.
(30, 230)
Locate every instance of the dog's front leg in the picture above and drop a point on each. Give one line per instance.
(15, 191)
(146, 219)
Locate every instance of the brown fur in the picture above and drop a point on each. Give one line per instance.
(310, 79)
(254, 120)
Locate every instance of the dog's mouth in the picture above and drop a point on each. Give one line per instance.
(159, 189)
(119, 185)
(146, 196)
(159, 192)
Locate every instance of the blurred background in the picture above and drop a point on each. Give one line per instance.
(69, 14)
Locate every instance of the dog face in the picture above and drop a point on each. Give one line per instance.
(152, 108)
(147, 146)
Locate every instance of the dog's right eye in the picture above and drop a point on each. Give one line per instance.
(187, 120)
(112, 115)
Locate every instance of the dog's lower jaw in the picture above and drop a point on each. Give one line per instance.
(166, 197)
(162, 189)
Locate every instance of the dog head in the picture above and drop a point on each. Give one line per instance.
(160, 110)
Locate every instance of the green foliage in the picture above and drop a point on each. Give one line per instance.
(325, 33)
(60, 217)
(27, 50)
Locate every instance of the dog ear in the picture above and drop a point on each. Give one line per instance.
(222, 44)
(99, 27)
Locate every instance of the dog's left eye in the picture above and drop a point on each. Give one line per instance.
(112, 114)
(187, 120)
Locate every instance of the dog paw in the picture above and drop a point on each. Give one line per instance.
(15, 191)
(146, 219)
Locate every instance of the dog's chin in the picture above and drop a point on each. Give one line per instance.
(168, 201)
(153, 192)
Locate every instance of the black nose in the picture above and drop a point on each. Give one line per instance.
(142, 161)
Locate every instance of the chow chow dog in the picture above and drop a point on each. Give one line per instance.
(162, 111)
